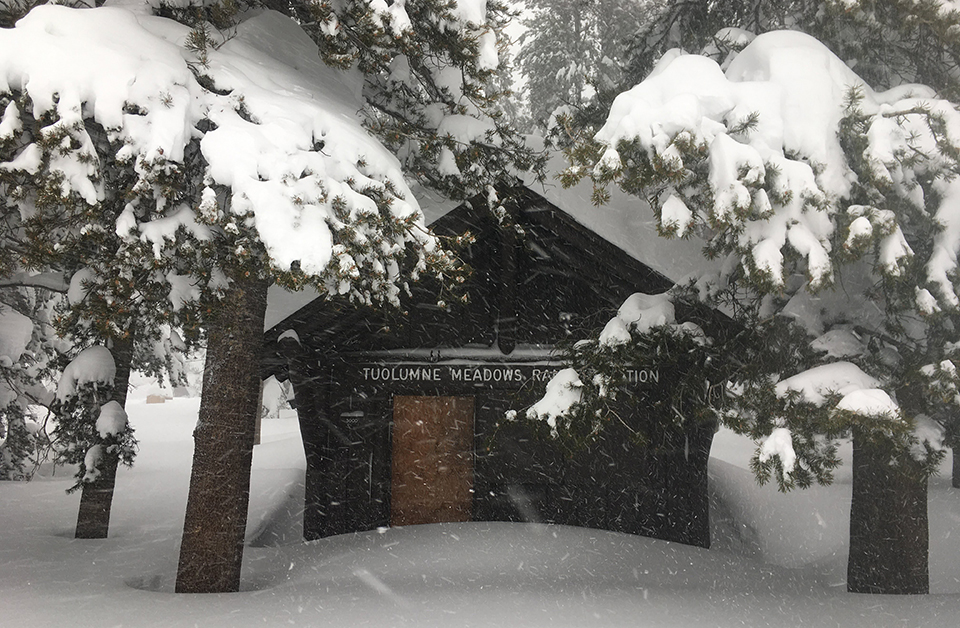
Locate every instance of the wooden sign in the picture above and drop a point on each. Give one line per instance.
(486, 375)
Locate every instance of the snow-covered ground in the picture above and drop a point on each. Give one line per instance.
(778, 560)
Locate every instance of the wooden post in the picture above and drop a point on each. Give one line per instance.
(507, 315)
(955, 482)
(256, 434)
(309, 400)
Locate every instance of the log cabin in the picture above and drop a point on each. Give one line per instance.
(404, 414)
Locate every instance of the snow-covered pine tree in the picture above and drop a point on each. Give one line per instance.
(556, 58)
(28, 297)
(433, 85)
(572, 54)
(91, 422)
(73, 191)
(28, 353)
(893, 42)
(830, 209)
(887, 42)
(698, 25)
(290, 189)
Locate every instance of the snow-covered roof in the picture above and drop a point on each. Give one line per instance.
(625, 221)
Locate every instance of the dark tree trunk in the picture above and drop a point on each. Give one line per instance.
(952, 440)
(889, 537)
(96, 498)
(211, 552)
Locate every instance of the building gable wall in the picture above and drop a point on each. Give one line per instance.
(537, 282)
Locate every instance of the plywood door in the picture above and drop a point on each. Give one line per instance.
(432, 460)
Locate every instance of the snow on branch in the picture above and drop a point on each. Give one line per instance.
(15, 333)
(562, 393)
(276, 127)
(644, 334)
(112, 420)
(94, 365)
(759, 155)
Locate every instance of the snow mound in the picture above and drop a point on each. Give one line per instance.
(474, 575)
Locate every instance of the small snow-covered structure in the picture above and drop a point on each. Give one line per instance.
(404, 416)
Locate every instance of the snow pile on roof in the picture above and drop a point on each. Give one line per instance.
(839, 343)
(626, 221)
(285, 137)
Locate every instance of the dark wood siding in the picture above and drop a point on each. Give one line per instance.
(537, 281)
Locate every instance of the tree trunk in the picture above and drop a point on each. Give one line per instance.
(211, 552)
(96, 498)
(889, 537)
